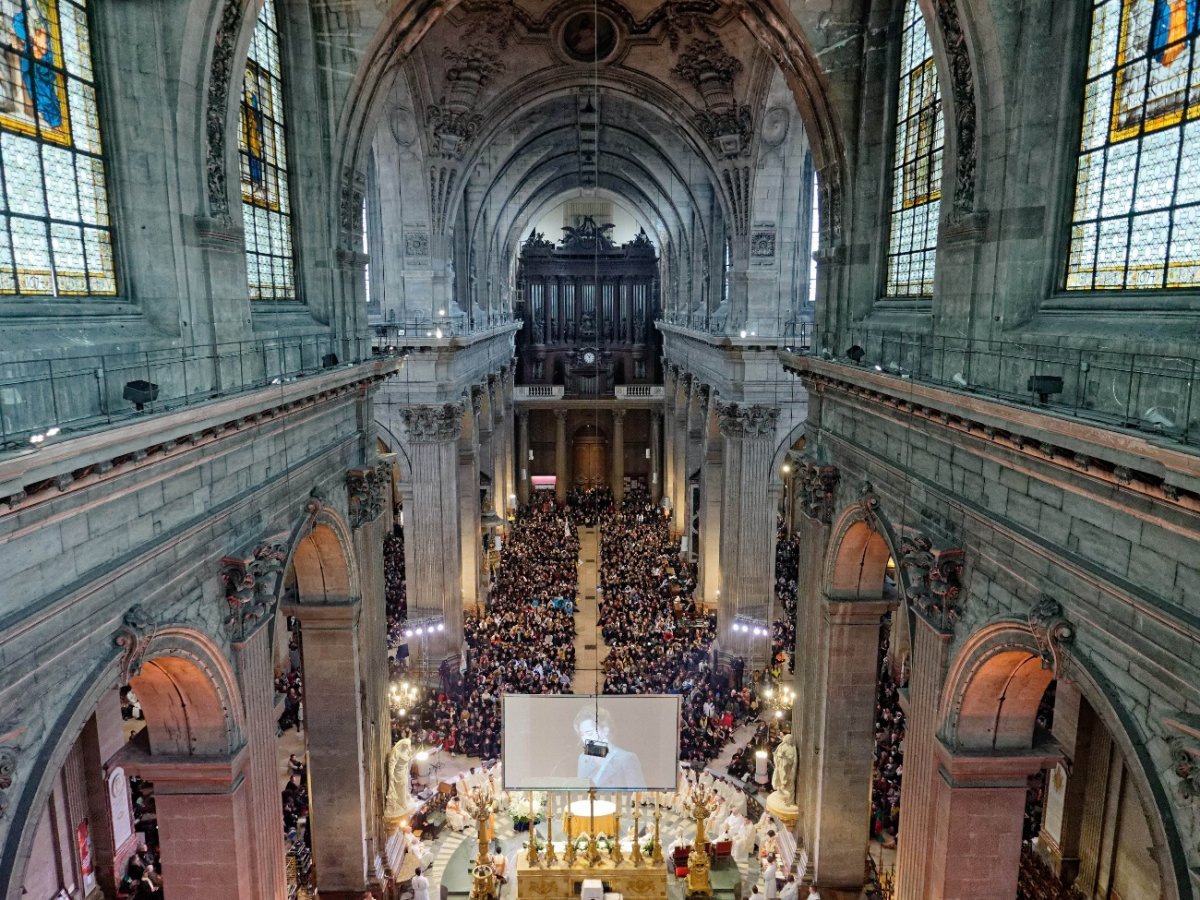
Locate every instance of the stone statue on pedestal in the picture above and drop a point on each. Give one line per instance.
(781, 803)
(399, 802)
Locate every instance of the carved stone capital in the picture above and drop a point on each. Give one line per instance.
(932, 579)
(133, 637)
(1183, 737)
(477, 397)
(250, 582)
(433, 423)
(818, 484)
(8, 770)
(366, 489)
(742, 421)
(868, 503)
(1053, 632)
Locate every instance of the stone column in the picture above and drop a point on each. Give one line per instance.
(679, 490)
(655, 468)
(523, 457)
(747, 523)
(668, 431)
(560, 455)
(338, 780)
(712, 470)
(501, 445)
(837, 842)
(693, 456)
(930, 655)
(618, 455)
(976, 843)
(468, 499)
(432, 534)
(206, 825)
(256, 677)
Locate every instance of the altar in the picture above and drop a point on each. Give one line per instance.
(582, 814)
(558, 882)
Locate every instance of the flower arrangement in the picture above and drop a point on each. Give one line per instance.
(524, 812)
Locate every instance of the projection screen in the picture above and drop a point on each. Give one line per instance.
(546, 742)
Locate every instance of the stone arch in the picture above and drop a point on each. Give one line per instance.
(322, 558)
(218, 725)
(994, 678)
(861, 543)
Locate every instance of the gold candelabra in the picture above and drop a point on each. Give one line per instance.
(700, 804)
(479, 804)
(593, 847)
(614, 847)
(532, 857)
(656, 856)
(551, 856)
(635, 856)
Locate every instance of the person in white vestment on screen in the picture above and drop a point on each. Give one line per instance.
(618, 768)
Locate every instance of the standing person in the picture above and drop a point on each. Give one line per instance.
(770, 885)
(812, 893)
(420, 886)
(791, 890)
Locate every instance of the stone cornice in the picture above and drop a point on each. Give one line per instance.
(76, 462)
(1152, 467)
(738, 420)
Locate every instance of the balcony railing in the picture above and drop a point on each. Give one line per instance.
(792, 333)
(39, 394)
(397, 335)
(639, 392)
(538, 392)
(1149, 392)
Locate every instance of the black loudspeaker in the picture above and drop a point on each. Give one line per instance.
(1044, 386)
(139, 393)
(329, 360)
(856, 353)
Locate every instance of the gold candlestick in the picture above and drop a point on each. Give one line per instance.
(635, 856)
(532, 857)
(656, 856)
(570, 857)
(551, 856)
(593, 848)
(615, 851)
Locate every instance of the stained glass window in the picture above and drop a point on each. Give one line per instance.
(266, 208)
(1136, 222)
(917, 164)
(56, 236)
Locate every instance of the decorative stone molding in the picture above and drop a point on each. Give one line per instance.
(366, 489)
(708, 67)
(746, 421)
(818, 483)
(962, 81)
(868, 504)
(416, 244)
(1183, 737)
(1054, 634)
(932, 579)
(133, 637)
(350, 201)
(477, 397)
(8, 769)
(219, 74)
(433, 423)
(250, 584)
(453, 122)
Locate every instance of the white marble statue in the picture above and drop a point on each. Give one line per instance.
(399, 802)
(784, 778)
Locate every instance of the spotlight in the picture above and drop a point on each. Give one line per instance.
(408, 632)
(140, 392)
(420, 631)
(855, 354)
(36, 438)
(329, 360)
(441, 626)
(439, 334)
(52, 431)
(743, 333)
(1044, 386)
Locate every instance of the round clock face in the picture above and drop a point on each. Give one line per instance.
(589, 358)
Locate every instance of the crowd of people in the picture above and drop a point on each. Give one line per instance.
(1037, 881)
(524, 642)
(659, 642)
(143, 871)
(395, 589)
(889, 748)
(288, 682)
(783, 629)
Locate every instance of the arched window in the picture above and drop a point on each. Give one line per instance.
(266, 207)
(1136, 223)
(917, 164)
(56, 239)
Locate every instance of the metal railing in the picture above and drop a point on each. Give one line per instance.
(1149, 392)
(792, 332)
(39, 393)
(421, 331)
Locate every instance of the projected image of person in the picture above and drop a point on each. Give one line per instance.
(619, 768)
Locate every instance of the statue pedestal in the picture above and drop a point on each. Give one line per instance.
(781, 809)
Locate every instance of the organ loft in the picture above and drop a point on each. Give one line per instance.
(599, 448)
